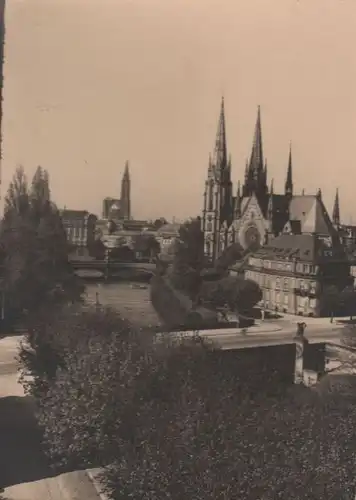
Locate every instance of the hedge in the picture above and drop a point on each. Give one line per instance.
(176, 309)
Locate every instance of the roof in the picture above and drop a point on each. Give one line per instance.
(75, 214)
(312, 214)
(280, 211)
(303, 247)
(169, 229)
(289, 246)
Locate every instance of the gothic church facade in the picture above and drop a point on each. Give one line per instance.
(252, 215)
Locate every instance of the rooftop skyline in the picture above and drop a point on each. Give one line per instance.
(89, 85)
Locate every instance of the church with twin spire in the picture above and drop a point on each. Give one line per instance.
(254, 213)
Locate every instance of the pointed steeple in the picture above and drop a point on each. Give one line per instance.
(272, 187)
(256, 159)
(289, 180)
(255, 180)
(239, 189)
(220, 150)
(336, 209)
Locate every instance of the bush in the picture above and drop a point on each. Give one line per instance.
(73, 360)
(236, 293)
(54, 334)
(210, 427)
(166, 303)
(176, 309)
(184, 420)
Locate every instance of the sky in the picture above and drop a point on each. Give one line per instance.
(90, 84)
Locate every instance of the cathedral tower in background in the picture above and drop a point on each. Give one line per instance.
(125, 200)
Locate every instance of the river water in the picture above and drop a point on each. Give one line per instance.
(131, 301)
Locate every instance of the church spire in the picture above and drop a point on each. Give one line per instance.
(256, 159)
(289, 181)
(255, 180)
(336, 209)
(126, 193)
(220, 151)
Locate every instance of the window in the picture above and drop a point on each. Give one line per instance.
(286, 284)
(278, 283)
(286, 300)
(209, 226)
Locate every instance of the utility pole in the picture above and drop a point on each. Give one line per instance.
(107, 263)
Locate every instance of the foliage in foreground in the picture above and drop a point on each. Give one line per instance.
(179, 419)
(265, 449)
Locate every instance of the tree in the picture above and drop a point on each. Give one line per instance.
(237, 294)
(330, 301)
(348, 301)
(85, 391)
(97, 249)
(188, 258)
(205, 434)
(230, 256)
(181, 419)
(34, 244)
(158, 223)
(146, 245)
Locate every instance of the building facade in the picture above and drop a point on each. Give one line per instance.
(295, 268)
(80, 230)
(166, 236)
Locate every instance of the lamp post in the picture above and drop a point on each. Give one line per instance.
(107, 262)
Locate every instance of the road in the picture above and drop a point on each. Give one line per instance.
(24, 472)
(267, 335)
(135, 305)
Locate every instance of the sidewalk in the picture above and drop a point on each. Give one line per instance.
(293, 319)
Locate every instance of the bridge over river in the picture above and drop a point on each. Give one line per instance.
(92, 268)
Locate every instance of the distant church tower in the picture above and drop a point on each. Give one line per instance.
(125, 200)
(218, 191)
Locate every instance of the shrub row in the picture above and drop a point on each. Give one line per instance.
(176, 309)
